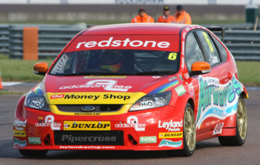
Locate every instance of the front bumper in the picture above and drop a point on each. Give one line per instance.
(156, 129)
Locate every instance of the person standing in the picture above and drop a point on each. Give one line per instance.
(182, 16)
(166, 17)
(142, 17)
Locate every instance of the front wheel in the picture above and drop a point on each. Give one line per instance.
(189, 132)
(241, 128)
(33, 153)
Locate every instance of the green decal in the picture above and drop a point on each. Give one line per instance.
(180, 90)
(169, 143)
(34, 140)
(147, 139)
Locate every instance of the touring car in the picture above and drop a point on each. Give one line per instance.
(139, 87)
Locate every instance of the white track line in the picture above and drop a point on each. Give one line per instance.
(8, 84)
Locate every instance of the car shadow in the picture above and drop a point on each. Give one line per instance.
(7, 151)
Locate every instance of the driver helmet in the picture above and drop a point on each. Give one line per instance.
(111, 60)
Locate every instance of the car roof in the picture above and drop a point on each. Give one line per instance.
(135, 28)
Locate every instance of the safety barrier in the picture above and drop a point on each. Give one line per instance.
(243, 42)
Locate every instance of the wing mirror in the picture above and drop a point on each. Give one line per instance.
(200, 67)
(40, 68)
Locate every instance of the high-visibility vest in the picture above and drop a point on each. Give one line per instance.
(164, 19)
(183, 18)
(144, 19)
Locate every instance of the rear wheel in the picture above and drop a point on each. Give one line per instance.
(189, 132)
(33, 153)
(241, 128)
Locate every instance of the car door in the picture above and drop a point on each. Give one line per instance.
(194, 53)
(213, 90)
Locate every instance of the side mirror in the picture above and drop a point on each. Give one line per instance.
(200, 67)
(40, 68)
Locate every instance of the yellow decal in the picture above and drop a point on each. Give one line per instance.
(94, 98)
(208, 41)
(87, 125)
(172, 56)
(166, 135)
(19, 133)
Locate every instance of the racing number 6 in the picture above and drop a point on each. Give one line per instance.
(172, 56)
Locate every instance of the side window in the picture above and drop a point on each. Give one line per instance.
(211, 52)
(193, 52)
(222, 50)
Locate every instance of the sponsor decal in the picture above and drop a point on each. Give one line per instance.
(18, 133)
(180, 90)
(87, 125)
(108, 85)
(217, 100)
(19, 125)
(169, 143)
(218, 129)
(49, 122)
(89, 98)
(147, 139)
(171, 125)
(86, 147)
(168, 135)
(96, 97)
(165, 87)
(126, 125)
(190, 87)
(180, 76)
(110, 42)
(172, 78)
(186, 75)
(58, 96)
(133, 120)
(21, 143)
(89, 139)
(182, 59)
(34, 140)
(156, 77)
(73, 139)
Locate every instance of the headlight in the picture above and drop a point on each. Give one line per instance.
(36, 101)
(152, 101)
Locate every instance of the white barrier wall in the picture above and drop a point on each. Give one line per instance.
(193, 2)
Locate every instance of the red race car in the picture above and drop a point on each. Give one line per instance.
(134, 87)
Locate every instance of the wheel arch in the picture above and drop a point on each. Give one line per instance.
(191, 102)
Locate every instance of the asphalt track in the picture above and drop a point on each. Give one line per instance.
(208, 152)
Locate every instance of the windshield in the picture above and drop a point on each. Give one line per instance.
(116, 62)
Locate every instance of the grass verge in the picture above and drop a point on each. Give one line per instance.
(248, 72)
(19, 70)
(4, 92)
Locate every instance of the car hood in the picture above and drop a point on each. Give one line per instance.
(59, 88)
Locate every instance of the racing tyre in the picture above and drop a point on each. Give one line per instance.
(241, 128)
(189, 132)
(33, 153)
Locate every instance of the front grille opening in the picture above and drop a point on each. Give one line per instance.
(132, 140)
(91, 107)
